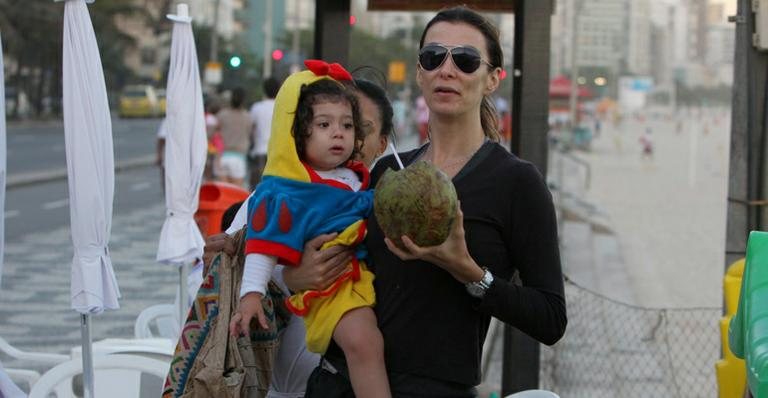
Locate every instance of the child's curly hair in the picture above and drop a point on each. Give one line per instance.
(324, 90)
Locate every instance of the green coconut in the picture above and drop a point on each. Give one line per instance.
(418, 201)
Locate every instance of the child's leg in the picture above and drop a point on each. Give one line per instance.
(360, 338)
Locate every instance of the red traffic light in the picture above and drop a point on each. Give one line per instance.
(277, 55)
(352, 20)
(503, 74)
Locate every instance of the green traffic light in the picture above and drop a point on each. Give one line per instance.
(235, 61)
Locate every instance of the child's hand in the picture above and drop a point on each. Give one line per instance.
(250, 305)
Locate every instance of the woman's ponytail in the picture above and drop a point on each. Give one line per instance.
(489, 119)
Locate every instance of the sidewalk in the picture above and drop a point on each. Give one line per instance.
(35, 291)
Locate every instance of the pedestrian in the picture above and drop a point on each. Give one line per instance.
(434, 304)
(235, 126)
(261, 114)
(313, 186)
(293, 362)
(378, 120)
(646, 143)
(215, 141)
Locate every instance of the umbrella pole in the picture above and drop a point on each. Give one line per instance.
(183, 299)
(87, 355)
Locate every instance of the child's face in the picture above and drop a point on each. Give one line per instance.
(332, 135)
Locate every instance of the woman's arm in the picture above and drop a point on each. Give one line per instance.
(535, 304)
(318, 267)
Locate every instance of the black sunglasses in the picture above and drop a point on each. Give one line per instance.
(466, 58)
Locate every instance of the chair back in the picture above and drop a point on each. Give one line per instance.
(116, 376)
(532, 394)
(160, 317)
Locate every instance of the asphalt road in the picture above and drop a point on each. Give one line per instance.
(39, 146)
(37, 150)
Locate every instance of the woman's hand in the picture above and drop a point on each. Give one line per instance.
(216, 243)
(318, 267)
(451, 255)
(250, 306)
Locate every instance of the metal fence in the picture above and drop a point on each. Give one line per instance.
(615, 350)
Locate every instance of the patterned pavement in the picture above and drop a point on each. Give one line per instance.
(35, 313)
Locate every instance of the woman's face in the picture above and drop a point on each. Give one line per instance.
(375, 143)
(447, 89)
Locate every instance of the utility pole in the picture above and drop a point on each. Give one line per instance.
(214, 55)
(530, 107)
(747, 171)
(574, 97)
(268, 39)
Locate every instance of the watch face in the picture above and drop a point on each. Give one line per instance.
(475, 290)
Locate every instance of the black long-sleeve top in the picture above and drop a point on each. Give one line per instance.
(432, 327)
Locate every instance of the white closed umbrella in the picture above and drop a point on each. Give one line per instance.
(91, 174)
(181, 242)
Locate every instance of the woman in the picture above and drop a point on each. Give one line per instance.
(293, 363)
(434, 303)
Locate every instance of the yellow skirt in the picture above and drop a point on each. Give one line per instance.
(322, 309)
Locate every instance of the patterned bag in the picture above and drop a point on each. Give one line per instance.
(208, 362)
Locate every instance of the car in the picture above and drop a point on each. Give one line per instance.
(139, 100)
(161, 101)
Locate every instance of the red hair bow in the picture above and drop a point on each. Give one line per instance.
(322, 68)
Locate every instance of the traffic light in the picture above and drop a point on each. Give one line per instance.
(235, 61)
(277, 55)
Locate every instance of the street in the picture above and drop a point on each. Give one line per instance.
(39, 146)
(38, 150)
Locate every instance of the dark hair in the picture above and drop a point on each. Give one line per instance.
(376, 94)
(212, 104)
(229, 215)
(323, 90)
(463, 14)
(271, 86)
(237, 98)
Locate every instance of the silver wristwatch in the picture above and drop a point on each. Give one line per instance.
(478, 289)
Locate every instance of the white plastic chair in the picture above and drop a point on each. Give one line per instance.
(50, 359)
(8, 386)
(530, 394)
(164, 317)
(157, 348)
(115, 376)
(28, 376)
(24, 376)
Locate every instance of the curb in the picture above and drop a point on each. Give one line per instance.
(36, 177)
